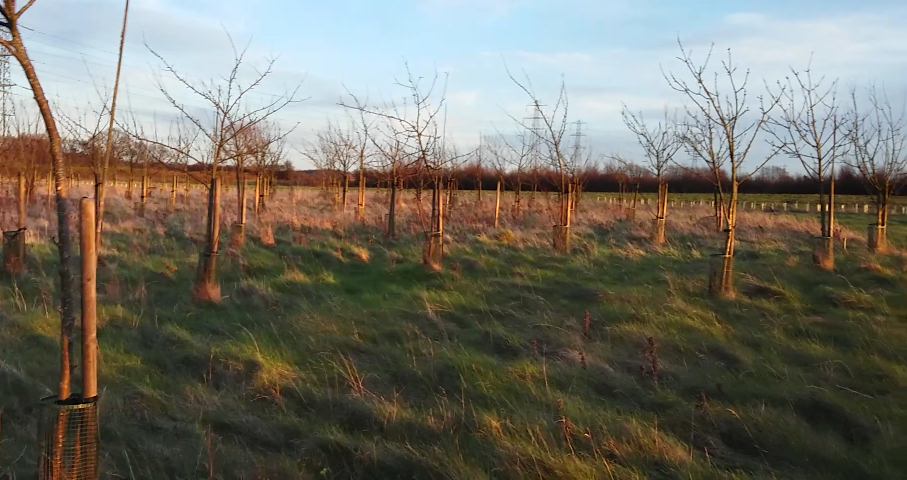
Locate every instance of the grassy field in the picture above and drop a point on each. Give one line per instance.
(336, 355)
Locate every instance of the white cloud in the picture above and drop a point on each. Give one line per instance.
(465, 98)
(855, 45)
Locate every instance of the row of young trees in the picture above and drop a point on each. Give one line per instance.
(402, 142)
(237, 131)
(720, 126)
(800, 118)
(728, 130)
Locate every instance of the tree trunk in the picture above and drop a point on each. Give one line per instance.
(831, 206)
(173, 189)
(661, 209)
(823, 224)
(344, 192)
(23, 201)
(719, 211)
(632, 213)
(257, 200)
(241, 193)
(144, 198)
(392, 210)
(186, 186)
(206, 288)
(497, 204)
(50, 189)
(64, 213)
(101, 183)
(432, 251)
(877, 234)
(14, 241)
(238, 235)
(451, 186)
(360, 204)
(32, 182)
(131, 183)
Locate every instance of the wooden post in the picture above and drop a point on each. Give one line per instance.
(831, 206)
(22, 201)
(89, 300)
(50, 190)
(497, 205)
(257, 199)
(173, 188)
(242, 201)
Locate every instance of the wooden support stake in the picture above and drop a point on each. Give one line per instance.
(497, 205)
(22, 201)
(258, 195)
(174, 187)
(89, 300)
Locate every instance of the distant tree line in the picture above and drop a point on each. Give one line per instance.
(30, 153)
(775, 180)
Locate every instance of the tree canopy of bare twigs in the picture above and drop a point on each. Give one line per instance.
(415, 126)
(809, 127)
(720, 128)
(550, 134)
(660, 142)
(878, 135)
(232, 113)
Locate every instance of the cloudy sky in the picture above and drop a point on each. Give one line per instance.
(608, 52)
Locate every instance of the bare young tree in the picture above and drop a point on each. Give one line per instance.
(84, 137)
(481, 160)
(268, 159)
(627, 174)
(231, 114)
(101, 177)
(496, 156)
(551, 135)
(326, 154)
(878, 134)
(808, 127)
(11, 15)
(362, 141)
(321, 156)
(346, 149)
(245, 145)
(30, 151)
(394, 160)
(416, 120)
(514, 158)
(581, 166)
(720, 130)
(659, 142)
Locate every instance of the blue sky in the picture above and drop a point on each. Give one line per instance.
(608, 52)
